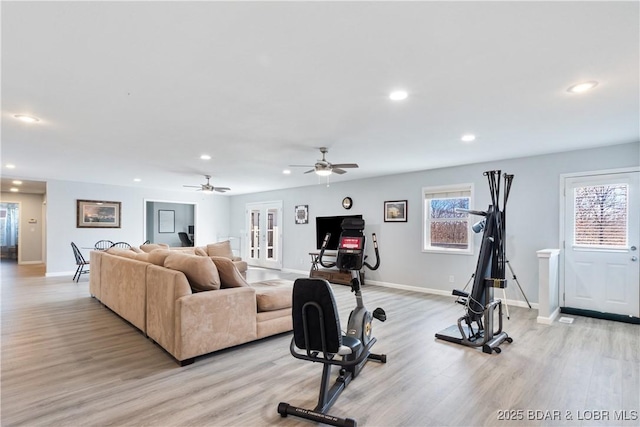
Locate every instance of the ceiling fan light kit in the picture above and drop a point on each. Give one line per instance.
(208, 188)
(325, 168)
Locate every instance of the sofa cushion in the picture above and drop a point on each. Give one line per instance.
(230, 277)
(273, 295)
(222, 249)
(153, 246)
(202, 251)
(126, 253)
(157, 256)
(201, 272)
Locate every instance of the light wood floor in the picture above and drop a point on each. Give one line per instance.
(69, 361)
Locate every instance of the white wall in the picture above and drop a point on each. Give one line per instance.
(212, 218)
(31, 235)
(532, 216)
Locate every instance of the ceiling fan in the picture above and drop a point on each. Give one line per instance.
(208, 188)
(325, 168)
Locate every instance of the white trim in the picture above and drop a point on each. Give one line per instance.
(549, 320)
(292, 271)
(30, 262)
(510, 303)
(59, 273)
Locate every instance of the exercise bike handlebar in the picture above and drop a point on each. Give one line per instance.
(325, 242)
(375, 249)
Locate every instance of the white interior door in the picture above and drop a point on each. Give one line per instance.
(265, 234)
(602, 222)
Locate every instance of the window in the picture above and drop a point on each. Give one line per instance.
(445, 229)
(601, 216)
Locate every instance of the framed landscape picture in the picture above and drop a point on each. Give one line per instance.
(395, 211)
(98, 214)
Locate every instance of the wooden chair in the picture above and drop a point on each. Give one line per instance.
(103, 245)
(80, 262)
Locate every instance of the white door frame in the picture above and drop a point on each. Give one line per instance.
(561, 242)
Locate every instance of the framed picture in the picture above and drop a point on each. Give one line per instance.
(395, 211)
(302, 214)
(166, 221)
(98, 214)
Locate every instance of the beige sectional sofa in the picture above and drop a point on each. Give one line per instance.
(168, 305)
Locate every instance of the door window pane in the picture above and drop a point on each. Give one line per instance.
(601, 215)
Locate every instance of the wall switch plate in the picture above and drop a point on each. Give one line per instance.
(451, 279)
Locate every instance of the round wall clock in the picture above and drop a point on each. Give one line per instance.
(347, 203)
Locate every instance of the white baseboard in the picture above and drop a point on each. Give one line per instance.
(59, 273)
(549, 320)
(304, 273)
(409, 288)
(509, 302)
(30, 262)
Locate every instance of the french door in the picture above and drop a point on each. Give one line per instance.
(601, 238)
(264, 234)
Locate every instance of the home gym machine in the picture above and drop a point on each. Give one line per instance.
(316, 326)
(480, 304)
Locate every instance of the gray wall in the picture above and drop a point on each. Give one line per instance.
(31, 236)
(211, 214)
(532, 216)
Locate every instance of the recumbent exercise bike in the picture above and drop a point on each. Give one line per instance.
(316, 326)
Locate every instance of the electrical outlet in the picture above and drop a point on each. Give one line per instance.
(451, 279)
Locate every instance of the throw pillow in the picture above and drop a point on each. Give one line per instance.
(157, 256)
(201, 272)
(202, 251)
(230, 277)
(126, 253)
(220, 249)
(153, 246)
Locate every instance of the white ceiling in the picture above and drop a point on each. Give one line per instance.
(130, 90)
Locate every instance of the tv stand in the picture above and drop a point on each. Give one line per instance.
(340, 277)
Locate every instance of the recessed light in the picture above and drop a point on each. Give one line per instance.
(137, 179)
(582, 87)
(205, 157)
(25, 118)
(468, 137)
(14, 190)
(286, 172)
(398, 95)
(10, 166)
(16, 182)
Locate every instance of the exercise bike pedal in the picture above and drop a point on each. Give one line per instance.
(379, 314)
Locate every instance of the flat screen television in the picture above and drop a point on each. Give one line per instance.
(330, 224)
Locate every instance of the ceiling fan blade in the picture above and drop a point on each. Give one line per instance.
(193, 186)
(338, 170)
(345, 165)
(300, 166)
(309, 171)
(221, 189)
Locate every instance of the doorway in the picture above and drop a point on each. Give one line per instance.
(165, 220)
(264, 248)
(9, 231)
(601, 235)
